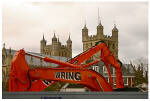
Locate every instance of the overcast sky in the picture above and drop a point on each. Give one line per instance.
(23, 24)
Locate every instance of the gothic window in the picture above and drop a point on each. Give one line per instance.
(108, 45)
(62, 53)
(113, 46)
(86, 46)
(89, 45)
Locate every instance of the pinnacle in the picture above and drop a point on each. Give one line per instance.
(43, 37)
(115, 28)
(69, 39)
(100, 23)
(85, 26)
(54, 36)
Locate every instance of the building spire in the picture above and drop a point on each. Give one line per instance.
(85, 25)
(115, 28)
(54, 35)
(69, 36)
(99, 21)
(69, 39)
(3, 45)
(43, 37)
(58, 38)
(114, 23)
(54, 38)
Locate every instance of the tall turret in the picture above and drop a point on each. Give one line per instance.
(43, 45)
(54, 39)
(69, 46)
(115, 37)
(55, 46)
(115, 32)
(84, 33)
(100, 30)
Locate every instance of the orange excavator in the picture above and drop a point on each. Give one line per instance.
(23, 78)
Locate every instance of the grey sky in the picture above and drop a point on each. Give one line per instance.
(25, 22)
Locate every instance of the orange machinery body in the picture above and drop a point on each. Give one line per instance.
(22, 78)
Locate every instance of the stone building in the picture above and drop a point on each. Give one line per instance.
(111, 41)
(6, 64)
(56, 49)
(7, 55)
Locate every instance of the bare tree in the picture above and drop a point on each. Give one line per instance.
(140, 68)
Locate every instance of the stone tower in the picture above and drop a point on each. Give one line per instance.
(111, 41)
(100, 30)
(69, 46)
(115, 37)
(56, 49)
(43, 45)
(55, 46)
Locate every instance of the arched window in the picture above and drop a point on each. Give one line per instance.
(86, 46)
(113, 46)
(64, 53)
(108, 45)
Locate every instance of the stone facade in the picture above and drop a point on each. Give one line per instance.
(111, 41)
(6, 64)
(56, 49)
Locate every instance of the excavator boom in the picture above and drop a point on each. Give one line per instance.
(22, 78)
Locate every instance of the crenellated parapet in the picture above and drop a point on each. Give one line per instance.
(92, 37)
(108, 37)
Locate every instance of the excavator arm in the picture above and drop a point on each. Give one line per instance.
(22, 78)
(106, 56)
